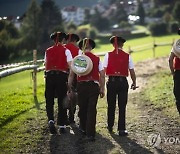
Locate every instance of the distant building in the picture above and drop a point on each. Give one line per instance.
(130, 7)
(13, 19)
(73, 14)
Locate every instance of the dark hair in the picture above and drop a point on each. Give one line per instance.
(60, 35)
(119, 39)
(88, 42)
(72, 37)
(179, 31)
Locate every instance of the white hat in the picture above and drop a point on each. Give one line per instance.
(81, 65)
(176, 48)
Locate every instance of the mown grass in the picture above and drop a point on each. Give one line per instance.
(20, 114)
(136, 45)
(159, 94)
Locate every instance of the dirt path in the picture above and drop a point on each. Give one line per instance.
(143, 123)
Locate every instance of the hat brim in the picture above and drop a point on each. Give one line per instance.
(91, 43)
(119, 39)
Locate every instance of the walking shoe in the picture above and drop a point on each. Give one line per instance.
(91, 138)
(62, 130)
(123, 132)
(110, 129)
(71, 121)
(82, 131)
(52, 127)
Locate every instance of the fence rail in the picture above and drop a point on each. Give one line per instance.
(10, 69)
(16, 70)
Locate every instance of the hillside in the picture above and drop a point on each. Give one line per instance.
(144, 121)
(14, 8)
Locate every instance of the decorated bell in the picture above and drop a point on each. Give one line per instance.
(176, 48)
(81, 65)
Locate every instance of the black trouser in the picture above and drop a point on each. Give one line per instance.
(73, 110)
(117, 87)
(177, 89)
(88, 93)
(56, 83)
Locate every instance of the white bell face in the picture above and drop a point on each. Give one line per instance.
(178, 45)
(81, 65)
(176, 48)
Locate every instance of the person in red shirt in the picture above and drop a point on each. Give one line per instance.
(89, 87)
(57, 61)
(117, 65)
(174, 65)
(72, 40)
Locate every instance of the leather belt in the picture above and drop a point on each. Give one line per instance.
(117, 78)
(53, 72)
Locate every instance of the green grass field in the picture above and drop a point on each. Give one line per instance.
(141, 44)
(159, 93)
(20, 112)
(17, 108)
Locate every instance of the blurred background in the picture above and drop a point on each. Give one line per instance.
(26, 24)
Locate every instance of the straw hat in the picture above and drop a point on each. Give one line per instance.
(81, 65)
(176, 48)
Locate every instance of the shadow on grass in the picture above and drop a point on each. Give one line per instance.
(73, 142)
(11, 118)
(129, 146)
(36, 102)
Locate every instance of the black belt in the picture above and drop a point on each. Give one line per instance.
(117, 78)
(54, 72)
(178, 71)
(90, 81)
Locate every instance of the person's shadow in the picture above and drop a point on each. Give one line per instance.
(129, 146)
(74, 142)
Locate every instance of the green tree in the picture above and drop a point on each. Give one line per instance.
(51, 19)
(158, 3)
(71, 27)
(31, 30)
(87, 16)
(176, 11)
(99, 22)
(112, 1)
(9, 41)
(167, 17)
(119, 14)
(141, 12)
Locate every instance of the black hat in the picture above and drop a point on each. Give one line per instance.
(60, 35)
(119, 39)
(72, 37)
(86, 42)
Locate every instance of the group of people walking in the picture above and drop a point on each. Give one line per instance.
(61, 80)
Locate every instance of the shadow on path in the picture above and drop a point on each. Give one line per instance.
(73, 142)
(129, 146)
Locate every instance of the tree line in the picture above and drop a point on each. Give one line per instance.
(41, 20)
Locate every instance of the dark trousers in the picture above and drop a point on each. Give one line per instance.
(117, 87)
(88, 93)
(177, 89)
(56, 83)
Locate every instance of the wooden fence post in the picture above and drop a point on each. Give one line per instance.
(130, 51)
(35, 74)
(154, 46)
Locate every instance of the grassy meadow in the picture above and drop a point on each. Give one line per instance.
(142, 47)
(21, 115)
(159, 93)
